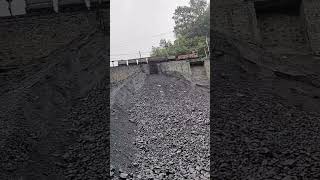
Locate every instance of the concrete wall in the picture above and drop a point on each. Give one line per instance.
(272, 29)
(235, 18)
(279, 30)
(176, 67)
(311, 13)
(120, 73)
(207, 67)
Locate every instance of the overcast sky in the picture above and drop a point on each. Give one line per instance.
(137, 25)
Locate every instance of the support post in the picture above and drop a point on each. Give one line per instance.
(208, 46)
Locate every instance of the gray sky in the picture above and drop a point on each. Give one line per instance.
(137, 25)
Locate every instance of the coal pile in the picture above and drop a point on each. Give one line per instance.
(256, 134)
(87, 157)
(171, 131)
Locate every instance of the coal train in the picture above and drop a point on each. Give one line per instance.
(147, 60)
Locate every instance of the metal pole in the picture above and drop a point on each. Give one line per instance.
(208, 45)
(205, 51)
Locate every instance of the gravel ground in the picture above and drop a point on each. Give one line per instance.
(171, 134)
(255, 134)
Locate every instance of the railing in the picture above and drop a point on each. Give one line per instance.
(150, 60)
(128, 62)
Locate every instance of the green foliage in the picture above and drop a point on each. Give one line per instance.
(182, 45)
(193, 20)
(192, 26)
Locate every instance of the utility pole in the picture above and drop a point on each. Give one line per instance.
(205, 51)
(140, 57)
(208, 46)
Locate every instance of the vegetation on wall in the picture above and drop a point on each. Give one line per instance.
(192, 26)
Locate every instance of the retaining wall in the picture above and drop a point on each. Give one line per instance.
(123, 74)
(207, 67)
(282, 31)
(311, 12)
(120, 73)
(291, 32)
(176, 67)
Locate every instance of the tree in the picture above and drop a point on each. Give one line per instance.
(9, 6)
(192, 20)
(182, 45)
(192, 26)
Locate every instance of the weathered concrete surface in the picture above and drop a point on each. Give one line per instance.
(176, 67)
(312, 20)
(121, 73)
(207, 67)
(265, 23)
